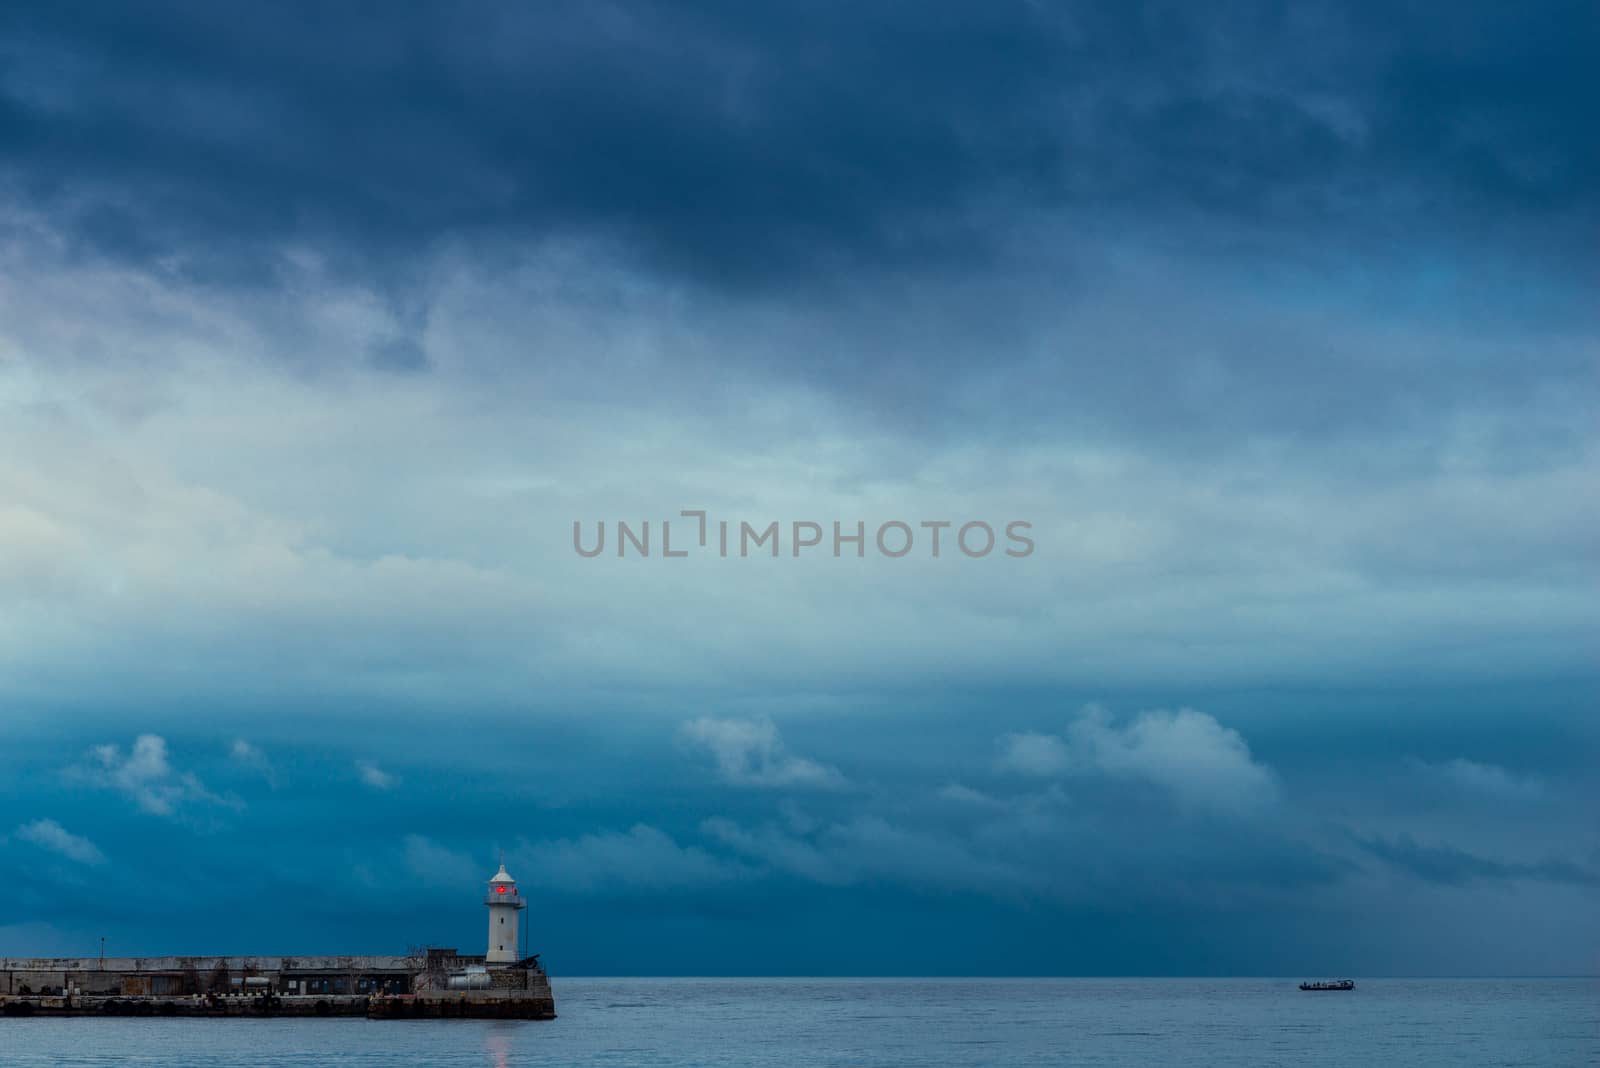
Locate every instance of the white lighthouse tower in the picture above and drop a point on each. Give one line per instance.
(504, 903)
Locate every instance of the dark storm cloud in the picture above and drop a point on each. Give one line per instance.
(610, 840)
(1274, 322)
(1457, 867)
(755, 142)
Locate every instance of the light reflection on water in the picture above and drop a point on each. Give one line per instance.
(890, 1023)
(499, 1045)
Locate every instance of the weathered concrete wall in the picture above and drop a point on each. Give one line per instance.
(175, 976)
(245, 964)
(516, 993)
(189, 976)
(231, 1005)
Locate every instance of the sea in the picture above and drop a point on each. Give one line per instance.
(895, 1023)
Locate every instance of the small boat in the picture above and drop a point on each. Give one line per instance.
(1330, 984)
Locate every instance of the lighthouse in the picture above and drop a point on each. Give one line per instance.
(504, 903)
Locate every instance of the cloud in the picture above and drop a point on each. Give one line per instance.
(1487, 780)
(48, 834)
(250, 756)
(870, 849)
(1199, 762)
(438, 865)
(146, 774)
(147, 762)
(749, 752)
(1189, 753)
(642, 858)
(186, 560)
(782, 850)
(961, 794)
(374, 776)
(1128, 272)
(1333, 116)
(1032, 753)
(1458, 867)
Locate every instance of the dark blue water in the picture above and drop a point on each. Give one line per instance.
(898, 1023)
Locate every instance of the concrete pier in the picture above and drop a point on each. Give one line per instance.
(439, 983)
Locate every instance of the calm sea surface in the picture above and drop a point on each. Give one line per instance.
(899, 1023)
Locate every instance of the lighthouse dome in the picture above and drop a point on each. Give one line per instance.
(502, 876)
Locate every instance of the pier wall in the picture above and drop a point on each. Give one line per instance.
(377, 986)
(183, 976)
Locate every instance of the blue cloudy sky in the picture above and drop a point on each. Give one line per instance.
(320, 326)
